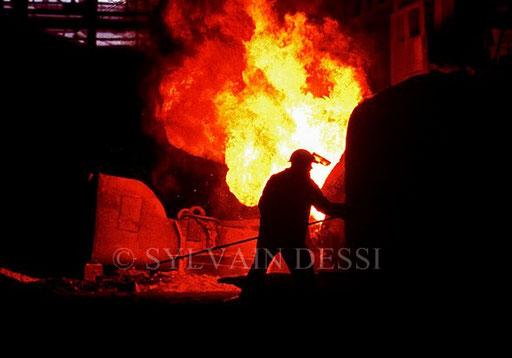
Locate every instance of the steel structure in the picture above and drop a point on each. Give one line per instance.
(86, 22)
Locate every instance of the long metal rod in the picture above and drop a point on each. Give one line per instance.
(227, 245)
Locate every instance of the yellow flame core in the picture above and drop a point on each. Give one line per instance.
(276, 112)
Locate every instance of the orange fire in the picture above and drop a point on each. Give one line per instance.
(255, 87)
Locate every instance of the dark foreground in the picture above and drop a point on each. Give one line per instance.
(182, 295)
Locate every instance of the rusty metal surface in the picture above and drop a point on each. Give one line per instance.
(130, 216)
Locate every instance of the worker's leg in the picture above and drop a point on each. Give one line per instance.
(253, 286)
(301, 267)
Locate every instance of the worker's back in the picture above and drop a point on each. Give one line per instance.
(285, 208)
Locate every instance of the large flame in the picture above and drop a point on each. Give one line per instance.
(256, 88)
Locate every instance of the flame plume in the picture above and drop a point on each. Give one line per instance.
(255, 88)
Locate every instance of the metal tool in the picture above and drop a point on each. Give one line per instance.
(209, 250)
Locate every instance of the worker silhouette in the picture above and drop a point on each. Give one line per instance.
(285, 207)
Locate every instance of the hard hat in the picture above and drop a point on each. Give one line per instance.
(302, 156)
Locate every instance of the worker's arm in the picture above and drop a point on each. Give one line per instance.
(319, 201)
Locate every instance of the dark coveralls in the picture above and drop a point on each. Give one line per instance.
(284, 214)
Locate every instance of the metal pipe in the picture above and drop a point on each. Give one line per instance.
(209, 250)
